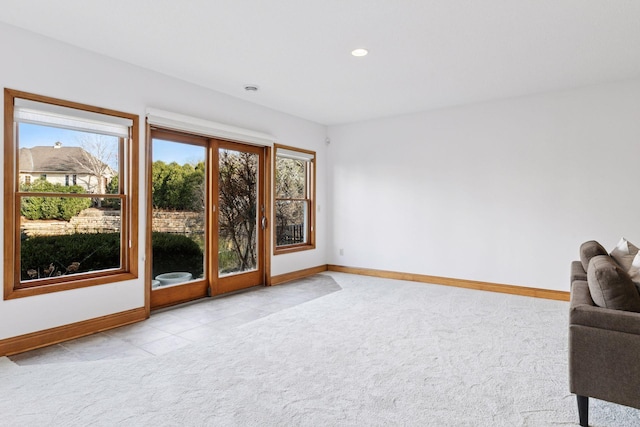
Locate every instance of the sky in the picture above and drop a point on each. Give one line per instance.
(169, 151)
(35, 135)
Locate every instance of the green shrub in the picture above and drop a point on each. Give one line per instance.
(93, 251)
(176, 252)
(178, 187)
(112, 188)
(171, 252)
(62, 208)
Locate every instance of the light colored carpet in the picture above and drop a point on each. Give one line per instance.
(376, 353)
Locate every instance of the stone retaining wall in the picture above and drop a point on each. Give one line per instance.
(178, 222)
(107, 221)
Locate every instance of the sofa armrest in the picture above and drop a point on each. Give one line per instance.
(584, 312)
(604, 350)
(577, 272)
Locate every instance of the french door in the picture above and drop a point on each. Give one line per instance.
(207, 217)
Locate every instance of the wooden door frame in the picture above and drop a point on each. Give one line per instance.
(265, 233)
(198, 288)
(230, 283)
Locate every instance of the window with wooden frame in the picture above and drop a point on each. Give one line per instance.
(61, 235)
(294, 192)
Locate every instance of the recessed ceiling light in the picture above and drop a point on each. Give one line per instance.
(359, 52)
(251, 88)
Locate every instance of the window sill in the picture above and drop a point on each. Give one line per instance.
(66, 286)
(293, 248)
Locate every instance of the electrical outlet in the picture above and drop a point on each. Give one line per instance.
(341, 251)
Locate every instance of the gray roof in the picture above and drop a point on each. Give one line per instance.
(53, 160)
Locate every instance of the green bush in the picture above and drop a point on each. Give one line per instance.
(171, 252)
(62, 208)
(93, 251)
(176, 252)
(178, 187)
(112, 188)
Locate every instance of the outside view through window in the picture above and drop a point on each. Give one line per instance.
(68, 222)
(238, 213)
(179, 222)
(291, 201)
(71, 200)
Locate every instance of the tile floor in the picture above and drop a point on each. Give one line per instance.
(175, 327)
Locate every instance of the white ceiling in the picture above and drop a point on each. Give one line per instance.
(424, 54)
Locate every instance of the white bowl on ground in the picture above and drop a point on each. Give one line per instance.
(173, 278)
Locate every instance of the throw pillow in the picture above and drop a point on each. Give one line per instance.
(624, 252)
(588, 250)
(610, 285)
(634, 271)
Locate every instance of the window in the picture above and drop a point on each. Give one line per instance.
(294, 189)
(61, 235)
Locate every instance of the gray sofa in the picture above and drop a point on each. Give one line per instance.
(604, 331)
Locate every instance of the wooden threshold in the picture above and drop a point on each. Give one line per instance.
(459, 283)
(56, 335)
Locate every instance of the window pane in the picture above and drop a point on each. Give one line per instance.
(52, 245)
(178, 223)
(291, 178)
(69, 213)
(55, 155)
(238, 213)
(290, 222)
(42, 185)
(62, 209)
(294, 190)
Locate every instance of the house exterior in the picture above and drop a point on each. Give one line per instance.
(66, 166)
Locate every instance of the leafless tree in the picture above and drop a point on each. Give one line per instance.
(238, 191)
(99, 159)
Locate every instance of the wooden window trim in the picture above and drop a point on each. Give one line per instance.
(129, 207)
(311, 226)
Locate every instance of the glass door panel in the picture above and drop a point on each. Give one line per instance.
(237, 212)
(178, 219)
(240, 212)
(206, 226)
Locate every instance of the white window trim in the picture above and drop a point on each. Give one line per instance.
(294, 155)
(41, 113)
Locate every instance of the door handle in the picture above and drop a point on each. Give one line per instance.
(264, 222)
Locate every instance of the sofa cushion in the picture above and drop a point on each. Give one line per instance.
(611, 286)
(588, 250)
(624, 252)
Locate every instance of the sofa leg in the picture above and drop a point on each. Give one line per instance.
(583, 410)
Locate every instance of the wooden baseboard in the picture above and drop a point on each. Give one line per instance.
(287, 277)
(459, 283)
(51, 336)
(56, 335)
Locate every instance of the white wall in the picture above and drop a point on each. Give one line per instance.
(500, 192)
(43, 66)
